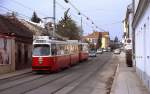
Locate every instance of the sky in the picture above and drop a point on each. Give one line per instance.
(106, 14)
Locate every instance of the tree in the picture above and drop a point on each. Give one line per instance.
(35, 18)
(116, 42)
(99, 43)
(68, 28)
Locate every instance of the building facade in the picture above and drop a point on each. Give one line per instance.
(141, 31)
(93, 39)
(128, 35)
(15, 45)
(128, 28)
(105, 41)
(98, 39)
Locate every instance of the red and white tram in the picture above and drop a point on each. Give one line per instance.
(83, 51)
(53, 55)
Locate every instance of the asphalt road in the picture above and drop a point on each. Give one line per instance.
(90, 77)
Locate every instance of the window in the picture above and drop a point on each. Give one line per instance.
(5, 52)
(63, 49)
(41, 50)
(74, 48)
(53, 49)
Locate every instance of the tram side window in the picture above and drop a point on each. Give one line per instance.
(80, 48)
(60, 49)
(66, 49)
(77, 49)
(74, 48)
(71, 49)
(53, 49)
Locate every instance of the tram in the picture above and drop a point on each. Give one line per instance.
(53, 55)
(83, 51)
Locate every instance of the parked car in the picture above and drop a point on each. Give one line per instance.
(117, 51)
(92, 53)
(104, 50)
(99, 51)
(109, 49)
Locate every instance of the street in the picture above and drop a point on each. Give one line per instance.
(94, 76)
(74, 47)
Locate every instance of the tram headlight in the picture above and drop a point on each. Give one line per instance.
(40, 60)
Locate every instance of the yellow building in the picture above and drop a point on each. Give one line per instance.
(105, 39)
(98, 39)
(93, 39)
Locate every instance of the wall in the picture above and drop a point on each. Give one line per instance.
(130, 24)
(136, 2)
(142, 47)
(23, 55)
(7, 63)
(103, 42)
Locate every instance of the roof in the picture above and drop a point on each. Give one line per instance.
(96, 35)
(104, 33)
(37, 30)
(11, 25)
(93, 35)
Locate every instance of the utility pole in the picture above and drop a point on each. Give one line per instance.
(54, 17)
(81, 26)
(81, 23)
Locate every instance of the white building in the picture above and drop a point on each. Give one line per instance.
(128, 27)
(141, 29)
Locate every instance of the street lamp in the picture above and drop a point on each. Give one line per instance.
(66, 1)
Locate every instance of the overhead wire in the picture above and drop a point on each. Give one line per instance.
(20, 4)
(19, 14)
(64, 8)
(14, 1)
(80, 13)
(61, 5)
(87, 18)
(73, 14)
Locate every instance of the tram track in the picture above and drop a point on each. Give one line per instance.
(18, 82)
(44, 80)
(70, 71)
(87, 80)
(77, 76)
(7, 87)
(13, 78)
(80, 81)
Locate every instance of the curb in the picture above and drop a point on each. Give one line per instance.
(13, 74)
(114, 81)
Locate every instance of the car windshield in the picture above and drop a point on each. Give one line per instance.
(99, 50)
(92, 51)
(41, 50)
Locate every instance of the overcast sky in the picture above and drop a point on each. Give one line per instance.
(106, 14)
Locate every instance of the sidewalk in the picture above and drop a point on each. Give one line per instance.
(126, 81)
(16, 73)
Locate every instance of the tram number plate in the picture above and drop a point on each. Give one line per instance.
(40, 41)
